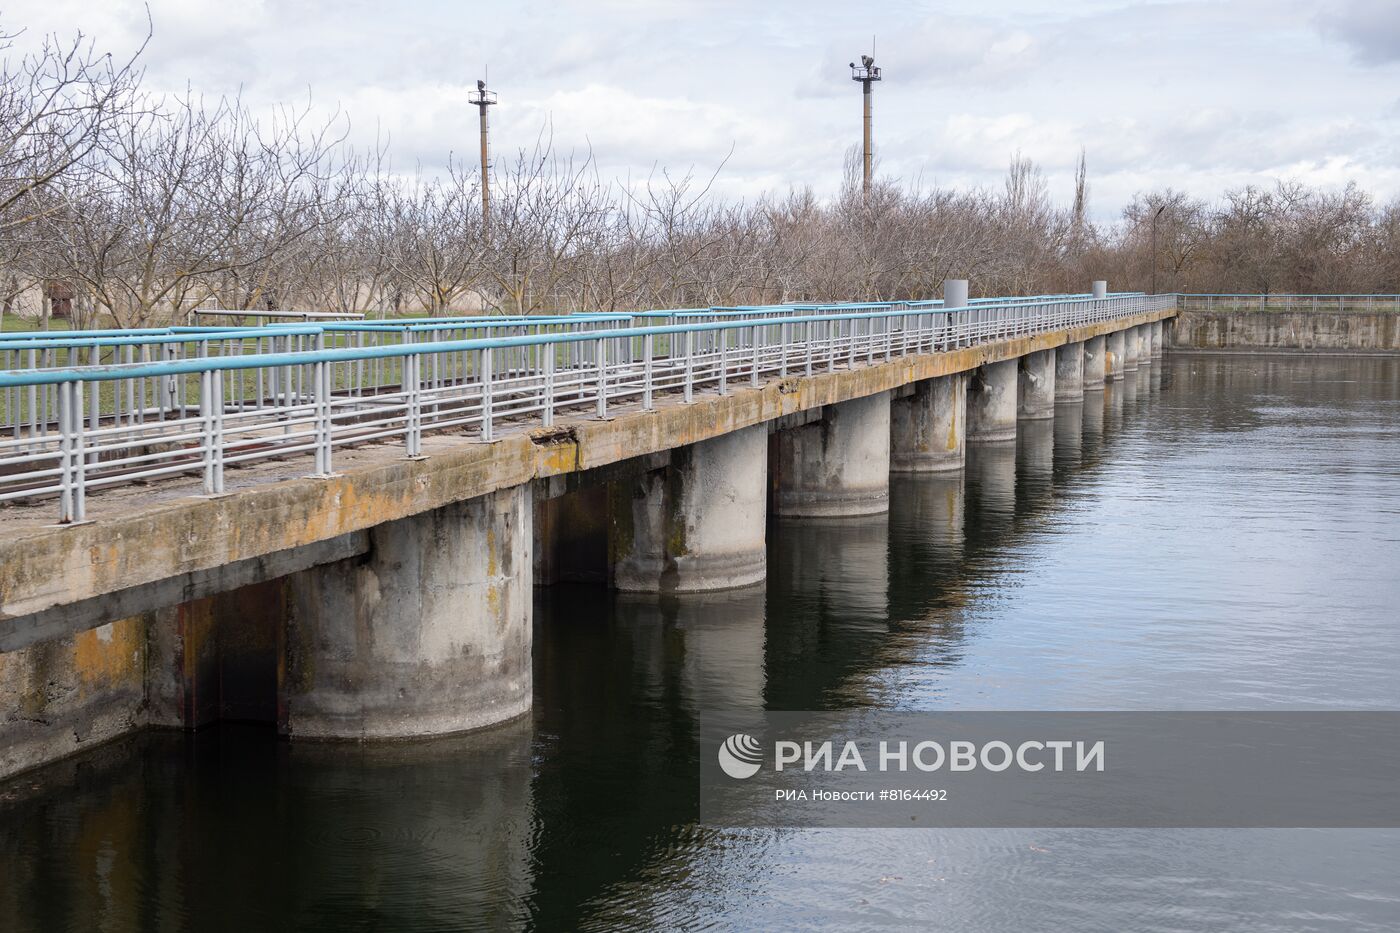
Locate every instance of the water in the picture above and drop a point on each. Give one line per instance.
(1216, 533)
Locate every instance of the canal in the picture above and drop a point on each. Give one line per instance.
(1214, 533)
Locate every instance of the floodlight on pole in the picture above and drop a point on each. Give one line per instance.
(481, 98)
(1155, 217)
(867, 74)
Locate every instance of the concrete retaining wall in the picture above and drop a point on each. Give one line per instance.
(1354, 332)
(68, 694)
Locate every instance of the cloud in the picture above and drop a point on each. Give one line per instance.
(1371, 28)
(943, 51)
(1197, 94)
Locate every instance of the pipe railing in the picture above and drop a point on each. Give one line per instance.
(207, 413)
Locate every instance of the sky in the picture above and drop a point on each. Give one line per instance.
(1200, 96)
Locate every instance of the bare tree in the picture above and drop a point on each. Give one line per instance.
(58, 106)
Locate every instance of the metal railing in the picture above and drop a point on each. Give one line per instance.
(251, 396)
(1337, 303)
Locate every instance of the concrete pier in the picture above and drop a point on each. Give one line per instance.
(1036, 385)
(1095, 360)
(839, 465)
(698, 524)
(1069, 372)
(1144, 343)
(429, 634)
(928, 429)
(1113, 357)
(1157, 328)
(1131, 345)
(992, 403)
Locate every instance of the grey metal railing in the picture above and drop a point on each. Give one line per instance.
(313, 390)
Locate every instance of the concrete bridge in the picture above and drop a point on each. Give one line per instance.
(337, 528)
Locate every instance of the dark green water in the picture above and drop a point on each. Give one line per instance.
(1216, 533)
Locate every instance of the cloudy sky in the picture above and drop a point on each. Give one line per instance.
(1198, 95)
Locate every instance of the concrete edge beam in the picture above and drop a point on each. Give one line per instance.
(95, 611)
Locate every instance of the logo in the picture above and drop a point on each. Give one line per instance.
(740, 756)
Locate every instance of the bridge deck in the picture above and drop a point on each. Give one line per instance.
(144, 534)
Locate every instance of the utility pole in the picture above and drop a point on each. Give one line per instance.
(866, 73)
(1155, 217)
(481, 99)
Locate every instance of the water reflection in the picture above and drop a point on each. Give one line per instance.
(1115, 397)
(1035, 464)
(1069, 436)
(179, 829)
(828, 605)
(1128, 389)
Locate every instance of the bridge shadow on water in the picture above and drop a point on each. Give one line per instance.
(581, 814)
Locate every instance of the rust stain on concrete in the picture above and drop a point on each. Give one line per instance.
(110, 654)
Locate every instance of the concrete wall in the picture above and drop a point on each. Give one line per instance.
(1286, 330)
(68, 694)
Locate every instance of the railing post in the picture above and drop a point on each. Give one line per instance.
(206, 427)
(413, 408)
(72, 460)
(723, 336)
(548, 400)
(647, 369)
(689, 366)
(487, 362)
(602, 361)
(217, 422)
(79, 456)
(321, 408)
(753, 340)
